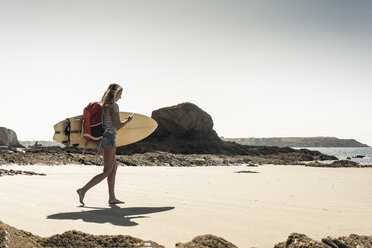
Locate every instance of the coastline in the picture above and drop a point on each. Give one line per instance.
(261, 155)
(246, 209)
(252, 156)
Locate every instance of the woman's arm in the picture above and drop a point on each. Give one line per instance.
(118, 123)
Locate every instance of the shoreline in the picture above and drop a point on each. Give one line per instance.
(58, 156)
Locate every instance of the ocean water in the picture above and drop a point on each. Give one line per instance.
(343, 152)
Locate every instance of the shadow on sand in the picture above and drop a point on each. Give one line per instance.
(114, 215)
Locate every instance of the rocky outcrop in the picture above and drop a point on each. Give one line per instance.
(61, 156)
(187, 129)
(296, 240)
(184, 121)
(183, 128)
(206, 241)
(339, 164)
(8, 138)
(12, 237)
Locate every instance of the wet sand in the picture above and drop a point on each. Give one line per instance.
(175, 204)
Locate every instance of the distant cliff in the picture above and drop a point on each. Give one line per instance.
(298, 142)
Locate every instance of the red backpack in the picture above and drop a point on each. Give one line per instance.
(92, 128)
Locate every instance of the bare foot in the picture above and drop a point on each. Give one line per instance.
(81, 196)
(115, 201)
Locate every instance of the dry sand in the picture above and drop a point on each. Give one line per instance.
(175, 204)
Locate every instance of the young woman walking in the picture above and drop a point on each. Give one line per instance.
(111, 123)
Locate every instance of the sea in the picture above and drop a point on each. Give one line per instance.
(343, 153)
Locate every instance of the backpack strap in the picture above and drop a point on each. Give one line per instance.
(82, 128)
(85, 147)
(67, 131)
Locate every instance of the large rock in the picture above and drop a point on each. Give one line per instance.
(183, 128)
(184, 121)
(8, 138)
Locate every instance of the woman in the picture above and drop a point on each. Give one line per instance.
(111, 123)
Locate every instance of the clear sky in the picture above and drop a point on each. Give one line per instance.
(259, 68)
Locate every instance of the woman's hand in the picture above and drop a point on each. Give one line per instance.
(130, 118)
(119, 124)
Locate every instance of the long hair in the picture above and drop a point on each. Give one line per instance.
(108, 100)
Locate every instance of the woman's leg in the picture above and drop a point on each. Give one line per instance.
(108, 164)
(111, 185)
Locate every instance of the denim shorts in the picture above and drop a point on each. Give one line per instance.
(108, 140)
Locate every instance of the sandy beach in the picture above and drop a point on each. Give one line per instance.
(175, 204)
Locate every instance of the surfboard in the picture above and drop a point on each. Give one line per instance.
(68, 131)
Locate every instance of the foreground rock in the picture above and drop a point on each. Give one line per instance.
(8, 138)
(206, 241)
(296, 240)
(12, 237)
